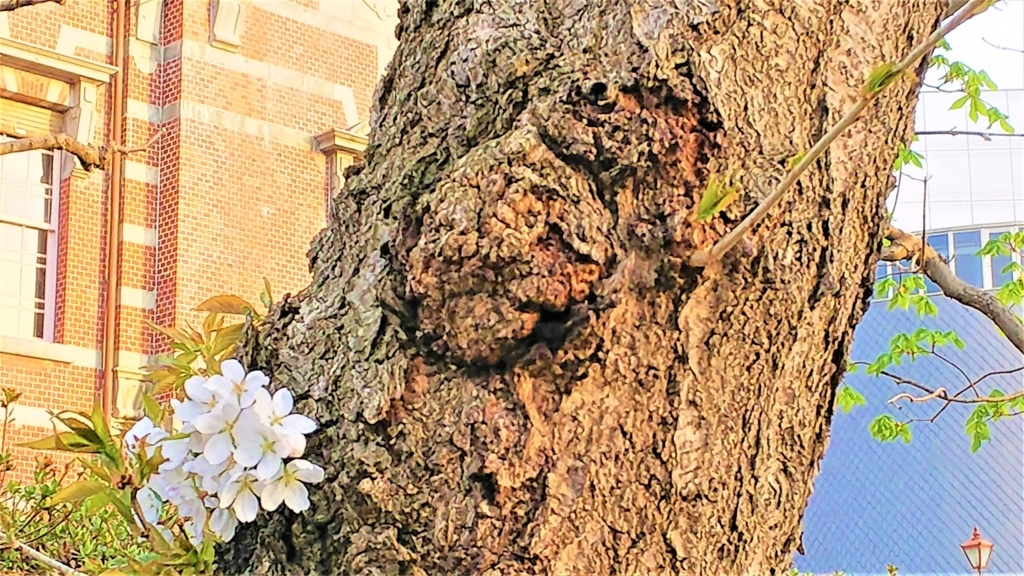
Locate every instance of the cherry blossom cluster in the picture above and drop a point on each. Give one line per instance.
(228, 457)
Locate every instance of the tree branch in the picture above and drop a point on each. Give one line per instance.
(39, 557)
(91, 156)
(701, 258)
(987, 136)
(908, 247)
(12, 5)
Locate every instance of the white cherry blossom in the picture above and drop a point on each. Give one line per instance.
(260, 447)
(235, 383)
(277, 413)
(241, 493)
(229, 456)
(222, 522)
(199, 399)
(288, 486)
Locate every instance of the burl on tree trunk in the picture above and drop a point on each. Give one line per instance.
(515, 371)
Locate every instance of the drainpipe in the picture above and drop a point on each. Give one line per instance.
(114, 191)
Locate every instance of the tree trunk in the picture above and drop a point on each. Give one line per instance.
(515, 371)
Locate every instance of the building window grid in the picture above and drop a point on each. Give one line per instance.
(988, 271)
(29, 208)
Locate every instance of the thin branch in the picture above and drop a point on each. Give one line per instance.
(90, 156)
(12, 5)
(908, 247)
(1007, 48)
(941, 394)
(42, 558)
(987, 136)
(701, 258)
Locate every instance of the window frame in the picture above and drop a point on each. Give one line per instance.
(52, 244)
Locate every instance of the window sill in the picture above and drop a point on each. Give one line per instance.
(32, 348)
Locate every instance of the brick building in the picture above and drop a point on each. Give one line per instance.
(250, 107)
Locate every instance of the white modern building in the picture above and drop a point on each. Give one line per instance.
(911, 505)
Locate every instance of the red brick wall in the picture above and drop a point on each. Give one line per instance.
(228, 206)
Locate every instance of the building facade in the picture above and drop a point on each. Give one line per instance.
(912, 505)
(244, 114)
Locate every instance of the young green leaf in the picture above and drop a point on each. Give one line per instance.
(879, 78)
(77, 492)
(847, 399)
(716, 198)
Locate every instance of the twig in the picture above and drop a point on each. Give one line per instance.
(987, 136)
(1007, 48)
(701, 258)
(941, 393)
(42, 558)
(906, 246)
(12, 5)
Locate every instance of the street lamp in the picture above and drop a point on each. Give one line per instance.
(978, 551)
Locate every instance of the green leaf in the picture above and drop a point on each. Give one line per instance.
(152, 408)
(879, 78)
(111, 449)
(716, 198)
(64, 442)
(885, 429)
(266, 296)
(77, 492)
(959, 103)
(884, 287)
(847, 399)
(924, 306)
(226, 304)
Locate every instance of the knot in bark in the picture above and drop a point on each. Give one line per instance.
(510, 241)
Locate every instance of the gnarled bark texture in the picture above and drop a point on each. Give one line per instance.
(515, 372)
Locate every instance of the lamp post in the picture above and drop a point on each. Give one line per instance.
(978, 551)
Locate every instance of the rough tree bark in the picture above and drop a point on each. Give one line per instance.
(515, 371)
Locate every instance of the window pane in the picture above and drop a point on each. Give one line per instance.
(23, 281)
(940, 242)
(968, 263)
(1000, 262)
(26, 185)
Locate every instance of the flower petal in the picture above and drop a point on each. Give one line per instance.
(296, 445)
(196, 389)
(219, 448)
(297, 424)
(272, 496)
(306, 471)
(245, 506)
(283, 402)
(296, 497)
(269, 466)
(189, 410)
(247, 397)
(232, 370)
(263, 405)
(256, 379)
(229, 492)
(223, 523)
(248, 453)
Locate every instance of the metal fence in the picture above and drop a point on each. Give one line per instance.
(912, 505)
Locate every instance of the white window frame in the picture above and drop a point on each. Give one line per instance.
(52, 245)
